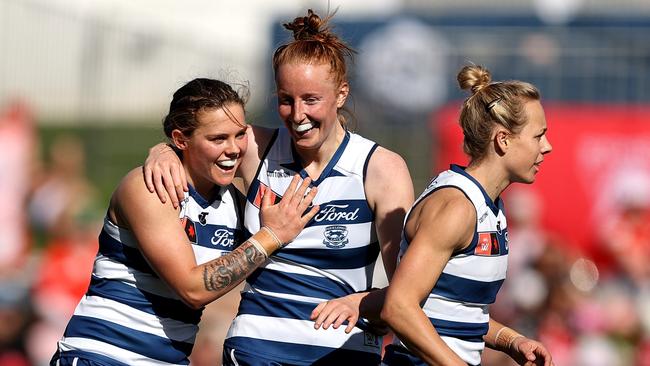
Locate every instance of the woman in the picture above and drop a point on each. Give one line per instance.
(363, 190)
(153, 274)
(453, 255)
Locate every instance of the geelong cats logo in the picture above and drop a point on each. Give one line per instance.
(336, 236)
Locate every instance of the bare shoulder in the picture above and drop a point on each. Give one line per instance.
(386, 167)
(132, 196)
(132, 183)
(387, 172)
(387, 163)
(450, 201)
(448, 213)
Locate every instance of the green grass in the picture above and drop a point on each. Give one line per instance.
(111, 151)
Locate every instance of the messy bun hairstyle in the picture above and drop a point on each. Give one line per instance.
(489, 104)
(314, 43)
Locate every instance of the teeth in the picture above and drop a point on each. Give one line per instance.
(227, 163)
(303, 127)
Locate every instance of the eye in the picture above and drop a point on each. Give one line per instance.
(311, 100)
(217, 139)
(241, 135)
(284, 101)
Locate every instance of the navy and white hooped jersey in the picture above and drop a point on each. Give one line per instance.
(457, 306)
(334, 256)
(129, 316)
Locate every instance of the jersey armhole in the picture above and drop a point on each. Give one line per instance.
(365, 164)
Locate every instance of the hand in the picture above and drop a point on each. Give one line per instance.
(287, 218)
(165, 175)
(335, 312)
(529, 352)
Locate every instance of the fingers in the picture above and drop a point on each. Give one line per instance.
(314, 314)
(309, 215)
(267, 200)
(352, 321)
(290, 193)
(316, 311)
(307, 199)
(180, 182)
(299, 196)
(148, 181)
(330, 313)
(160, 187)
(544, 355)
(169, 188)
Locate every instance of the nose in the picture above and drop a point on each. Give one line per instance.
(232, 148)
(546, 146)
(297, 112)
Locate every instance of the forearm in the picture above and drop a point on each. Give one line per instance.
(415, 330)
(500, 337)
(220, 275)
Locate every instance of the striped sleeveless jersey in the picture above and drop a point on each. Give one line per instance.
(332, 257)
(457, 306)
(128, 315)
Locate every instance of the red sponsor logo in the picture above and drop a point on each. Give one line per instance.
(260, 193)
(488, 244)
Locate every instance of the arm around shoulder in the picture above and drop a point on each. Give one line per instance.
(165, 246)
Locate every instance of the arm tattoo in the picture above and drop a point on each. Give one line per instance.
(232, 268)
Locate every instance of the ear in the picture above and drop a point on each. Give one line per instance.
(342, 95)
(501, 140)
(179, 139)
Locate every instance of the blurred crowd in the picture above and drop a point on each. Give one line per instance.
(590, 307)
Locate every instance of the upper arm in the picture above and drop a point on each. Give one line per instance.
(258, 140)
(157, 230)
(445, 223)
(389, 191)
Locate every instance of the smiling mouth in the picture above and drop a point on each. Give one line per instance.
(227, 164)
(303, 127)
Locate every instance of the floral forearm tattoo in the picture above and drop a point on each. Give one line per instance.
(232, 268)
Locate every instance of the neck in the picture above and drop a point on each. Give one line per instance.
(315, 160)
(206, 189)
(493, 179)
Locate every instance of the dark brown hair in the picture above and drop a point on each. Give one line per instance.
(200, 94)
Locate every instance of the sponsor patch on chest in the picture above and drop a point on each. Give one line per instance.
(488, 244)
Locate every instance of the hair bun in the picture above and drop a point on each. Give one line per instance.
(307, 27)
(474, 78)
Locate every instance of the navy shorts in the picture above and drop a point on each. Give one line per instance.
(399, 356)
(78, 358)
